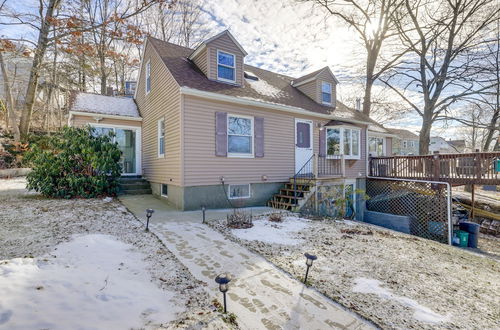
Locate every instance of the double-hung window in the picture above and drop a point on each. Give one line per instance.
(326, 93)
(405, 144)
(226, 66)
(343, 141)
(161, 137)
(240, 136)
(376, 146)
(148, 76)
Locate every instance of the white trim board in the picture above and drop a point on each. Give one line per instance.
(264, 104)
(104, 116)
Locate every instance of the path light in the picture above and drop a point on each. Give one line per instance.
(149, 213)
(223, 280)
(203, 209)
(309, 263)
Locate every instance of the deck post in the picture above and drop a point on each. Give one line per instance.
(315, 165)
(473, 202)
(437, 166)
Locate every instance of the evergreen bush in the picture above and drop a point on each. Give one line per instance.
(75, 162)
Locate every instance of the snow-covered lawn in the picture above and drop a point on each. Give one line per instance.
(396, 280)
(67, 264)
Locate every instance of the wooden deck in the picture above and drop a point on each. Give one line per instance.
(456, 169)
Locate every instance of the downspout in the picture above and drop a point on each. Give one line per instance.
(448, 186)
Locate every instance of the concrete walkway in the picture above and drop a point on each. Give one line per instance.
(262, 296)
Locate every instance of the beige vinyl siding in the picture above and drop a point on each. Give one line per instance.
(310, 89)
(325, 76)
(353, 166)
(163, 101)
(202, 167)
(313, 88)
(80, 120)
(201, 61)
(225, 44)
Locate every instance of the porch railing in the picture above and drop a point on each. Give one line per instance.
(304, 176)
(468, 168)
(331, 166)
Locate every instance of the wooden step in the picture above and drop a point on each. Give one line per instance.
(288, 196)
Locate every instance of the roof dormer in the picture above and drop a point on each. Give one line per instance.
(320, 85)
(221, 58)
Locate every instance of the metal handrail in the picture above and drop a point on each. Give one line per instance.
(309, 176)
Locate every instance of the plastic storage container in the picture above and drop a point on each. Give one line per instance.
(463, 238)
(473, 230)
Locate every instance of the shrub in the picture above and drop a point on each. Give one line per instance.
(75, 163)
(276, 217)
(239, 219)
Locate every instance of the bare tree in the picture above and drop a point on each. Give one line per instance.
(10, 111)
(373, 21)
(445, 40)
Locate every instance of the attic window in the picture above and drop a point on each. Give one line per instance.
(250, 76)
(326, 93)
(225, 66)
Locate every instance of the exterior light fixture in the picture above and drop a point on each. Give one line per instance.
(309, 262)
(149, 213)
(203, 210)
(223, 280)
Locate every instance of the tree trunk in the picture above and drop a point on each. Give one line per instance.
(11, 112)
(35, 68)
(425, 136)
(370, 67)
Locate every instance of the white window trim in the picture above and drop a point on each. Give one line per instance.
(341, 129)
(331, 93)
(148, 74)
(384, 144)
(240, 155)
(227, 66)
(161, 190)
(240, 197)
(158, 132)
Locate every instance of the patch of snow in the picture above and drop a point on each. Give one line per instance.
(273, 232)
(93, 278)
(107, 199)
(421, 313)
(108, 105)
(263, 87)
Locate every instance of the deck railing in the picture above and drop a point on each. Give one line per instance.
(468, 168)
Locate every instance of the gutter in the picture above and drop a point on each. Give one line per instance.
(448, 186)
(95, 114)
(263, 104)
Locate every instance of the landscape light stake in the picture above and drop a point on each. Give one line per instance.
(309, 262)
(223, 280)
(149, 213)
(203, 209)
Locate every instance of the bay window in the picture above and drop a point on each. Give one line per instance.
(376, 146)
(343, 141)
(240, 136)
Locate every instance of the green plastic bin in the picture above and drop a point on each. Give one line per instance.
(464, 238)
(497, 165)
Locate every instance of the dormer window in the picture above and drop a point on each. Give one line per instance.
(225, 66)
(326, 93)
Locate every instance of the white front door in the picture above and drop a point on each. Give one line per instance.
(303, 142)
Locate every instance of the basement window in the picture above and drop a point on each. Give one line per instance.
(239, 191)
(164, 190)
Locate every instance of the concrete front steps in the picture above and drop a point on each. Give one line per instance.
(134, 186)
(292, 196)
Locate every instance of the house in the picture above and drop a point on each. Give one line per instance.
(216, 132)
(439, 144)
(405, 143)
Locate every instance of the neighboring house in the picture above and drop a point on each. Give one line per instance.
(405, 143)
(217, 132)
(446, 147)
